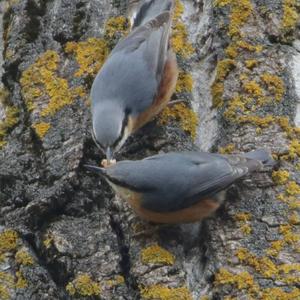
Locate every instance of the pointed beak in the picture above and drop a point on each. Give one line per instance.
(96, 169)
(109, 155)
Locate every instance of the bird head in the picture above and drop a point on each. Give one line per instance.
(110, 127)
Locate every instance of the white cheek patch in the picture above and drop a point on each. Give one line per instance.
(124, 138)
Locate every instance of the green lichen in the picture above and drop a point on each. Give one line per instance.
(187, 118)
(157, 255)
(83, 285)
(160, 292)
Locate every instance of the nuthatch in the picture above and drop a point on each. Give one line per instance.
(137, 80)
(180, 187)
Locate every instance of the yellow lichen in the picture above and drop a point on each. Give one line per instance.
(157, 255)
(178, 10)
(277, 293)
(262, 265)
(90, 55)
(280, 176)
(258, 121)
(48, 241)
(41, 129)
(184, 83)
(289, 236)
(290, 15)
(294, 150)
(10, 117)
(251, 63)
(187, 118)
(116, 26)
(274, 84)
(179, 39)
(21, 281)
(117, 280)
(9, 122)
(294, 218)
(223, 69)
(246, 46)
(6, 283)
(242, 280)
(83, 285)
(240, 12)
(24, 258)
(41, 79)
(275, 248)
(242, 217)
(4, 293)
(246, 229)
(253, 88)
(293, 188)
(160, 292)
(8, 240)
(227, 149)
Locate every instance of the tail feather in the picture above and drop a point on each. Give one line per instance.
(262, 156)
(149, 9)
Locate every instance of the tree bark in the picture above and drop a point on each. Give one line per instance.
(65, 235)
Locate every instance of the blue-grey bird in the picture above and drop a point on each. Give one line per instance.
(180, 187)
(137, 80)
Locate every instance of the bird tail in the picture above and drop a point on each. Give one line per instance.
(149, 9)
(261, 155)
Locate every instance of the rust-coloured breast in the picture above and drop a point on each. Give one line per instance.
(164, 93)
(196, 212)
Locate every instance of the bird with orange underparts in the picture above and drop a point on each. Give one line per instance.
(180, 187)
(137, 80)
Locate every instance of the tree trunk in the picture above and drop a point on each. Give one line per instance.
(65, 235)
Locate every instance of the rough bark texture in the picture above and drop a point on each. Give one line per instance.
(64, 235)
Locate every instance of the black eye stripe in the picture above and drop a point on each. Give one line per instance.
(124, 124)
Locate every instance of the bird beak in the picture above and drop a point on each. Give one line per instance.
(109, 155)
(102, 171)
